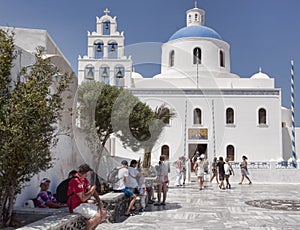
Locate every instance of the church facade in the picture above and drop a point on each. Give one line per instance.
(217, 112)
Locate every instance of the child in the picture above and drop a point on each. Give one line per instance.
(142, 192)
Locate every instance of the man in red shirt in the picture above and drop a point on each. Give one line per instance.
(79, 191)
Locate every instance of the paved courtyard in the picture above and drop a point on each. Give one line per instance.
(188, 208)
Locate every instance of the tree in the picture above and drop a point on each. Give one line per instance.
(105, 109)
(29, 112)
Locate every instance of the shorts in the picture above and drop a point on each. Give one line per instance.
(87, 210)
(221, 176)
(126, 191)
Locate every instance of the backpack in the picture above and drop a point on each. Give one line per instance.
(62, 189)
(112, 177)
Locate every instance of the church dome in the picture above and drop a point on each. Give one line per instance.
(195, 31)
(260, 75)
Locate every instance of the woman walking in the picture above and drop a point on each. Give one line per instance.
(199, 170)
(244, 170)
(228, 172)
(214, 170)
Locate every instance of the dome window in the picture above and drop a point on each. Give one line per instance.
(190, 18)
(172, 58)
(222, 58)
(197, 55)
(196, 18)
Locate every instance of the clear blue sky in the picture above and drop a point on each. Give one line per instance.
(261, 33)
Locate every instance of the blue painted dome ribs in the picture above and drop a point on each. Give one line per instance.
(195, 31)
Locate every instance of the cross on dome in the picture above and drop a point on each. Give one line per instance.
(196, 4)
(106, 11)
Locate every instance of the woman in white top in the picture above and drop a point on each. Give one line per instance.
(228, 172)
(199, 170)
(162, 170)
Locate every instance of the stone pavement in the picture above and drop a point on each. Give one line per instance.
(188, 208)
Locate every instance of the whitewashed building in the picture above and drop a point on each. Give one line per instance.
(217, 112)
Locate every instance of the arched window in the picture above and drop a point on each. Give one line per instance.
(104, 74)
(262, 116)
(229, 116)
(230, 152)
(165, 150)
(197, 55)
(172, 56)
(106, 28)
(89, 72)
(196, 17)
(222, 58)
(197, 116)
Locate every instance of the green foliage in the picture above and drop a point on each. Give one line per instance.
(108, 109)
(27, 125)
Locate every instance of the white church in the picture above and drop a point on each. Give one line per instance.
(218, 113)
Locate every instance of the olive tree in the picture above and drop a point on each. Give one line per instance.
(28, 118)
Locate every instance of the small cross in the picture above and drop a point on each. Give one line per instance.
(106, 11)
(195, 4)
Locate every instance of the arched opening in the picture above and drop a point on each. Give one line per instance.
(98, 49)
(197, 56)
(262, 116)
(172, 56)
(106, 27)
(229, 116)
(165, 150)
(89, 72)
(222, 58)
(197, 116)
(104, 74)
(230, 152)
(119, 76)
(112, 49)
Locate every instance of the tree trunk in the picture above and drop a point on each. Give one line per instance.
(147, 158)
(7, 205)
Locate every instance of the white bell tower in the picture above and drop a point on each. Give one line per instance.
(105, 60)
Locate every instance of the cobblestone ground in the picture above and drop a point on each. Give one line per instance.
(256, 206)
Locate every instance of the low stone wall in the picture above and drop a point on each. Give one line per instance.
(60, 219)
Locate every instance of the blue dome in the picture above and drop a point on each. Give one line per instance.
(195, 31)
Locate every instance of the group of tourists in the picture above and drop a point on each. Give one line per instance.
(133, 183)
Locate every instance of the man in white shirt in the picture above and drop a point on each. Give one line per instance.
(119, 186)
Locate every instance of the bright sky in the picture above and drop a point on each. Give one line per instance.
(261, 33)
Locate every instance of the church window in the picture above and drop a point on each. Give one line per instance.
(89, 72)
(262, 116)
(106, 28)
(196, 17)
(230, 152)
(222, 58)
(229, 116)
(197, 116)
(197, 55)
(172, 58)
(165, 151)
(190, 18)
(104, 75)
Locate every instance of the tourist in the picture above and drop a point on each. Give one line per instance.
(79, 191)
(184, 168)
(179, 168)
(162, 170)
(119, 186)
(45, 199)
(228, 172)
(62, 188)
(244, 170)
(199, 171)
(133, 173)
(142, 191)
(214, 170)
(220, 166)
